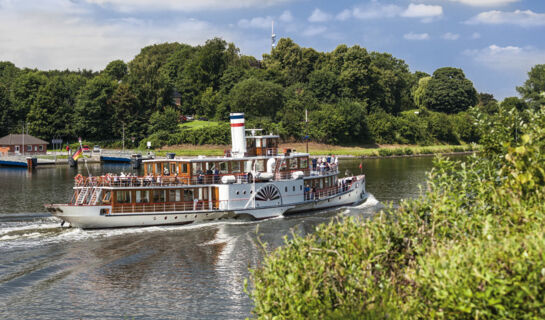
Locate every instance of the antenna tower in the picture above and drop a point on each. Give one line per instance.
(273, 37)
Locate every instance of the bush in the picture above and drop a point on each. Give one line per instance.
(471, 247)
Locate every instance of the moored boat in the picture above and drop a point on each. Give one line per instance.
(251, 180)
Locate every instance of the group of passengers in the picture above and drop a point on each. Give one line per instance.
(310, 192)
(325, 164)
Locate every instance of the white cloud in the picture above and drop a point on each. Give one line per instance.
(344, 15)
(185, 5)
(286, 16)
(314, 31)
(486, 3)
(450, 36)
(319, 16)
(525, 18)
(416, 36)
(509, 58)
(257, 22)
(476, 35)
(375, 10)
(422, 11)
(56, 40)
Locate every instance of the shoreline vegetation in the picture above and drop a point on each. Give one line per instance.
(471, 246)
(319, 149)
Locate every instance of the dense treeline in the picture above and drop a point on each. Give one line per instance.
(352, 96)
(471, 247)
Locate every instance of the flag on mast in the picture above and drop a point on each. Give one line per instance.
(78, 154)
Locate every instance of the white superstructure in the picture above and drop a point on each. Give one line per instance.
(252, 180)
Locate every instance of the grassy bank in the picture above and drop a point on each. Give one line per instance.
(317, 149)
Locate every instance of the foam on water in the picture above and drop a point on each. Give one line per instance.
(33, 233)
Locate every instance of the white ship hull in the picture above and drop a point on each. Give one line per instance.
(93, 216)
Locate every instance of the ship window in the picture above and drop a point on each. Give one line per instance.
(142, 196)
(283, 166)
(260, 165)
(196, 168)
(235, 166)
(149, 168)
(303, 163)
(293, 188)
(159, 196)
(173, 168)
(224, 168)
(107, 196)
(184, 167)
(293, 163)
(158, 169)
(248, 166)
(174, 195)
(188, 195)
(123, 196)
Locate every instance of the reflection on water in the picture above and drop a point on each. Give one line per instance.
(195, 271)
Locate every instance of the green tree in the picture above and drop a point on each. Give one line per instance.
(165, 120)
(6, 111)
(94, 110)
(342, 123)
(533, 90)
(324, 84)
(449, 91)
(51, 113)
(147, 82)
(24, 91)
(420, 91)
(117, 69)
(256, 98)
(355, 76)
(514, 102)
(127, 112)
(291, 62)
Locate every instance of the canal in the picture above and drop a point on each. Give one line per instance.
(190, 272)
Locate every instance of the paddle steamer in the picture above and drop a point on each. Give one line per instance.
(252, 180)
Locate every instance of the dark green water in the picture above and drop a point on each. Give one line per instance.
(190, 272)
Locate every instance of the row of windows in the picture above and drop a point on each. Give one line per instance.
(29, 148)
(223, 167)
(158, 196)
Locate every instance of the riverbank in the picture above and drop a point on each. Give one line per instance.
(318, 149)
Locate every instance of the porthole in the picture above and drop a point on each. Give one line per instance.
(251, 191)
(165, 218)
(176, 217)
(293, 188)
(244, 192)
(238, 192)
(195, 216)
(286, 189)
(339, 198)
(300, 187)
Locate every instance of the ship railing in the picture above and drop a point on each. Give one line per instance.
(328, 191)
(144, 181)
(200, 205)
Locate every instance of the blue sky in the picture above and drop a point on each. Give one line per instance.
(495, 42)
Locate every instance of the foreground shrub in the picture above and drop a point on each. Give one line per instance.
(471, 247)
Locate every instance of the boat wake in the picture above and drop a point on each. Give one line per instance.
(367, 208)
(27, 231)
